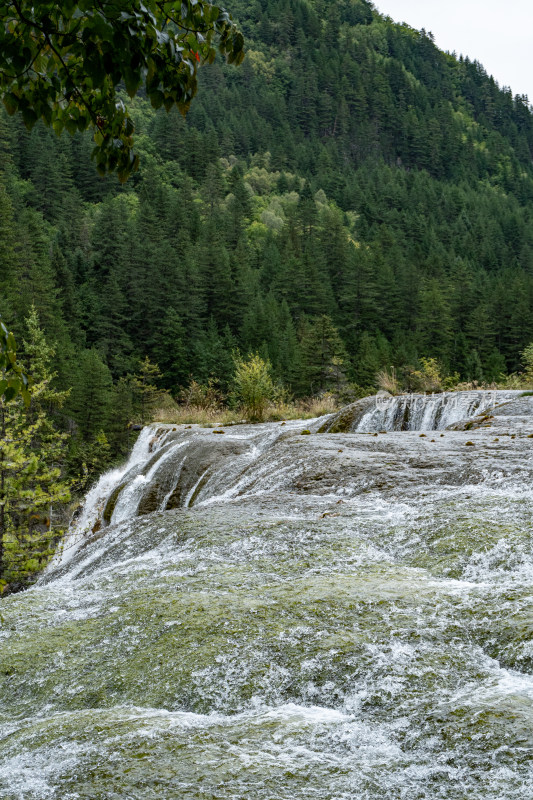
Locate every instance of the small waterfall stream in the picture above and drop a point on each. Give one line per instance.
(90, 516)
(417, 412)
(266, 615)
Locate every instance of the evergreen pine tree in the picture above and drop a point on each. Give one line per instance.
(323, 356)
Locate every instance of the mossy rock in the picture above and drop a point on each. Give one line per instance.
(347, 419)
(112, 502)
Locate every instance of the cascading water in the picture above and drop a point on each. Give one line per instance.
(265, 615)
(429, 413)
(89, 519)
(420, 412)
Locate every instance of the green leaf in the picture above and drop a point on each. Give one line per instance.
(11, 103)
(9, 394)
(132, 81)
(29, 116)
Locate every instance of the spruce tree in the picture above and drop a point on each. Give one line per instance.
(324, 357)
(146, 393)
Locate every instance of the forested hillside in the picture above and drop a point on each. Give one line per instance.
(349, 198)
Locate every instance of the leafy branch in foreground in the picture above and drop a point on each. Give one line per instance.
(13, 380)
(63, 64)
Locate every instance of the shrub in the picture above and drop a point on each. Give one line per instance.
(430, 378)
(201, 395)
(527, 360)
(253, 386)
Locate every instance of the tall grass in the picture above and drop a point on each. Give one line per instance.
(170, 412)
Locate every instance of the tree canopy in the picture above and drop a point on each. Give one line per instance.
(64, 63)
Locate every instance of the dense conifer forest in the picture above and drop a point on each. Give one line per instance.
(348, 199)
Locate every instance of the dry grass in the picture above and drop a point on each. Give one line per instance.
(196, 415)
(173, 413)
(513, 381)
(302, 409)
(470, 386)
(387, 381)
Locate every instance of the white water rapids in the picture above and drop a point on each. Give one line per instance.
(262, 614)
(419, 412)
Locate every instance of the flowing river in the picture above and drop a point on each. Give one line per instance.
(267, 614)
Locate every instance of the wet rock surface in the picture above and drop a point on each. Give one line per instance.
(328, 616)
(348, 418)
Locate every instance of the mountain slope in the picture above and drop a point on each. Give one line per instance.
(350, 197)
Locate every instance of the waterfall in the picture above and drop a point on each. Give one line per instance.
(133, 490)
(173, 467)
(89, 519)
(264, 614)
(417, 412)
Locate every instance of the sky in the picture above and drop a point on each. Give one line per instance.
(497, 34)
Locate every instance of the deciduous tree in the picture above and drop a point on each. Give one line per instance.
(31, 454)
